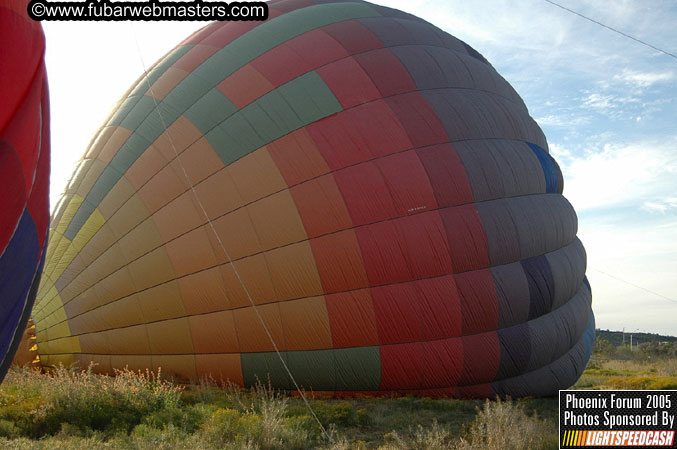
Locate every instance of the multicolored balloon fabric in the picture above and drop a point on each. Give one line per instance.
(345, 182)
(24, 171)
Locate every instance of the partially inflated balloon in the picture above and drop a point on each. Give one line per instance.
(367, 180)
(24, 171)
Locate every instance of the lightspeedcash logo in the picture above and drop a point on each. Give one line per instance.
(617, 419)
(618, 438)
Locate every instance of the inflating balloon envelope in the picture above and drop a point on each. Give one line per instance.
(24, 173)
(345, 182)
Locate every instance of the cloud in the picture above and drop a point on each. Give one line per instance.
(599, 101)
(644, 79)
(559, 152)
(567, 120)
(617, 174)
(562, 120)
(623, 255)
(606, 102)
(661, 206)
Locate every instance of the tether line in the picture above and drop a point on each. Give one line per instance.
(218, 238)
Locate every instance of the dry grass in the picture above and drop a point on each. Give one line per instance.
(38, 404)
(504, 425)
(80, 409)
(435, 437)
(665, 367)
(259, 420)
(618, 374)
(76, 409)
(499, 425)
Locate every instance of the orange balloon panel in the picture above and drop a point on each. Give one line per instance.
(343, 189)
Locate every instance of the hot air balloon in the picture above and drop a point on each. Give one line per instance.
(24, 171)
(343, 194)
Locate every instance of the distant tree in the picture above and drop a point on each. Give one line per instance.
(657, 349)
(603, 348)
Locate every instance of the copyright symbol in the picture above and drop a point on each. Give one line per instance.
(37, 10)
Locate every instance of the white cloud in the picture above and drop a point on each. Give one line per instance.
(655, 207)
(559, 152)
(620, 174)
(644, 79)
(627, 263)
(660, 206)
(599, 101)
(607, 102)
(624, 195)
(562, 120)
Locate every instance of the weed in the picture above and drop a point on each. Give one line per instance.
(664, 383)
(39, 404)
(588, 381)
(505, 425)
(78, 409)
(435, 437)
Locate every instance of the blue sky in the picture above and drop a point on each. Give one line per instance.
(607, 104)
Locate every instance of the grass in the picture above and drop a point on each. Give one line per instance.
(619, 374)
(35, 405)
(80, 409)
(506, 425)
(76, 409)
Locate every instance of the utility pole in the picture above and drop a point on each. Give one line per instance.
(623, 336)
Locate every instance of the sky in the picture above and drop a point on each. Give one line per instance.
(607, 105)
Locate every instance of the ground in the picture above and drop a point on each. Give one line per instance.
(79, 409)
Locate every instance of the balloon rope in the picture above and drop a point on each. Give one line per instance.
(612, 29)
(218, 238)
(634, 285)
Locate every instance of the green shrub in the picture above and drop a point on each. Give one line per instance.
(69, 430)
(642, 382)
(663, 383)
(587, 381)
(39, 404)
(341, 413)
(431, 404)
(607, 372)
(222, 427)
(630, 382)
(9, 430)
(307, 424)
(228, 427)
(146, 437)
(187, 419)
